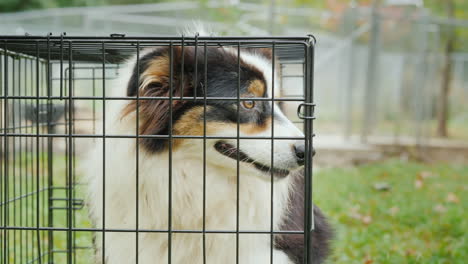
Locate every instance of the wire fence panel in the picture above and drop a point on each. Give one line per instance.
(372, 61)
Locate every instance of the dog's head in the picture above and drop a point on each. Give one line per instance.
(220, 75)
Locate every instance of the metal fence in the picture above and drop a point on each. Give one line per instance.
(383, 78)
(378, 71)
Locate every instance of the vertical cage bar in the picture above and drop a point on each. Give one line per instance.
(50, 162)
(38, 232)
(49, 71)
(196, 65)
(20, 147)
(3, 230)
(5, 154)
(308, 131)
(70, 160)
(61, 66)
(182, 68)
(13, 129)
(137, 149)
(237, 152)
(73, 156)
(103, 256)
(30, 163)
(93, 102)
(43, 156)
(273, 51)
(205, 91)
(171, 91)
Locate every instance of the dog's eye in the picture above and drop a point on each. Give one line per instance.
(248, 104)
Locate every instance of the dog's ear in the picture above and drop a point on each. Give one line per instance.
(154, 72)
(266, 53)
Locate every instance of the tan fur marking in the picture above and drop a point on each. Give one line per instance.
(191, 125)
(257, 88)
(158, 68)
(151, 116)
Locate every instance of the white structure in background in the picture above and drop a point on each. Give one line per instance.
(406, 72)
(418, 3)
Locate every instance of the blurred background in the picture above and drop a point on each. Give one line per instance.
(390, 74)
(391, 87)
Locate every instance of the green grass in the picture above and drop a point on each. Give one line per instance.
(406, 224)
(25, 178)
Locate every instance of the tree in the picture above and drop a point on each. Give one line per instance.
(443, 107)
(454, 38)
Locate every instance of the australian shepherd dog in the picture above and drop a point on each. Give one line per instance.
(170, 189)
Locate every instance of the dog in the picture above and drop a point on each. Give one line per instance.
(165, 176)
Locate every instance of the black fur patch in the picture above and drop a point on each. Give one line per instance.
(293, 244)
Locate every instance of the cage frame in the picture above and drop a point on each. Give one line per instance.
(34, 48)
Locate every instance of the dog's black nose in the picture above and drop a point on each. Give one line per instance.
(299, 150)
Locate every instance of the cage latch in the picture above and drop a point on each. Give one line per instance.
(306, 106)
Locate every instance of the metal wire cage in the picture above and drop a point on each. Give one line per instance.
(53, 91)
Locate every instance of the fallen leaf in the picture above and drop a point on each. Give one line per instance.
(354, 212)
(355, 215)
(439, 208)
(452, 198)
(411, 252)
(382, 186)
(426, 174)
(366, 219)
(394, 210)
(418, 183)
(368, 260)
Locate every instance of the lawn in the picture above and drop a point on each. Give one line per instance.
(419, 215)
(26, 189)
(422, 218)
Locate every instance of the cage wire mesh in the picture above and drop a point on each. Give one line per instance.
(54, 91)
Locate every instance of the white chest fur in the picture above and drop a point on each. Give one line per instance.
(185, 209)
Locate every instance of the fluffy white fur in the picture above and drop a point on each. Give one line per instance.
(119, 192)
